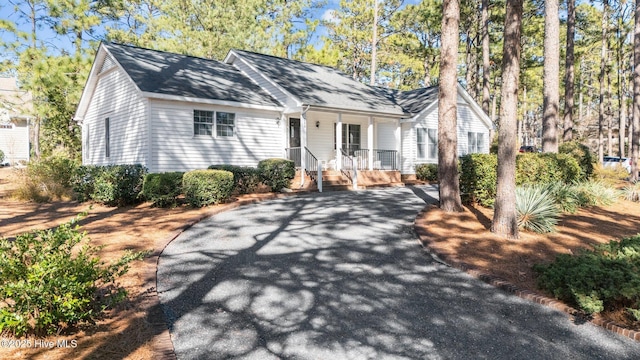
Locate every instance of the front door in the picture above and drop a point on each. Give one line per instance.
(294, 141)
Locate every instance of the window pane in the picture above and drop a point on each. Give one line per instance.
(225, 124)
(420, 134)
(433, 144)
(480, 142)
(471, 142)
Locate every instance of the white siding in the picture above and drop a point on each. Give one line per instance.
(258, 136)
(265, 84)
(320, 140)
(385, 136)
(468, 121)
(14, 142)
(116, 98)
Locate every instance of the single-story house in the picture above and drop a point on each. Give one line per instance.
(174, 112)
(14, 123)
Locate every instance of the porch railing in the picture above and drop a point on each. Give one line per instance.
(295, 155)
(361, 159)
(311, 164)
(385, 159)
(348, 168)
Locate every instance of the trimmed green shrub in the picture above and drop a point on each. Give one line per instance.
(205, 187)
(49, 280)
(163, 189)
(427, 172)
(1, 156)
(534, 168)
(118, 185)
(606, 277)
(277, 173)
(83, 181)
(48, 178)
(536, 209)
(246, 179)
(478, 178)
(582, 154)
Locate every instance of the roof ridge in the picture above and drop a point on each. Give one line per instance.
(296, 61)
(106, 42)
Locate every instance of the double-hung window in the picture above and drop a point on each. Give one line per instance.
(475, 142)
(427, 142)
(204, 124)
(225, 124)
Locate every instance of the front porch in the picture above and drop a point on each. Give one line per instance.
(349, 143)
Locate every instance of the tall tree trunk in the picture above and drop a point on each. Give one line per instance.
(569, 72)
(470, 66)
(374, 43)
(621, 93)
(447, 109)
(603, 65)
(609, 112)
(505, 219)
(551, 75)
(486, 96)
(635, 144)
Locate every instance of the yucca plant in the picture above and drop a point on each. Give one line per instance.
(632, 192)
(537, 210)
(596, 193)
(565, 196)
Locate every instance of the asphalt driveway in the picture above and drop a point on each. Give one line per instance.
(341, 276)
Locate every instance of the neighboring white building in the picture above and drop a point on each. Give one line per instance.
(172, 112)
(14, 124)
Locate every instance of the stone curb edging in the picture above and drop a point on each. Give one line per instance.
(162, 344)
(451, 260)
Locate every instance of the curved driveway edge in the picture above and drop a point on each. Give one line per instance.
(453, 261)
(340, 275)
(162, 344)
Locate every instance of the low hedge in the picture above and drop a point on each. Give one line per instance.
(545, 168)
(246, 179)
(277, 173)
(427, 172)
(205, 187)
(112, 185)
(582, 154)
(163, 189)
(607, 277)
(478, 177)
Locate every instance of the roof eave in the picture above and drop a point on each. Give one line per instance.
(189, 99)
(356, 111)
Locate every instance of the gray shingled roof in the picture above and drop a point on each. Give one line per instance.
(180, 75)
(414, 101)
(321, 85)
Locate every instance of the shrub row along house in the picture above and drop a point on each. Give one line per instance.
(172, 112)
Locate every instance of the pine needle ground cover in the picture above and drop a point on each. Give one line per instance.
(466, 236)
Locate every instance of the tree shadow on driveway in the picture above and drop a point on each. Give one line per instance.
(341, 275)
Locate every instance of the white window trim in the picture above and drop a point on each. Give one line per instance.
(214, 125)
(478, 147)
(426, 144)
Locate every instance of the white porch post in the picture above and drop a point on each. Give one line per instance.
(370, 142)
(339, 142)
(303, 147)
(398, 144)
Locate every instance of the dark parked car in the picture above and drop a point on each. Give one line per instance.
(528, 148)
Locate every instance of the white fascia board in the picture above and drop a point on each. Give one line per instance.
(89, 86)
(475, 107)
(233, 55)
(92, 81)
(210, 101)
(354, 111)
